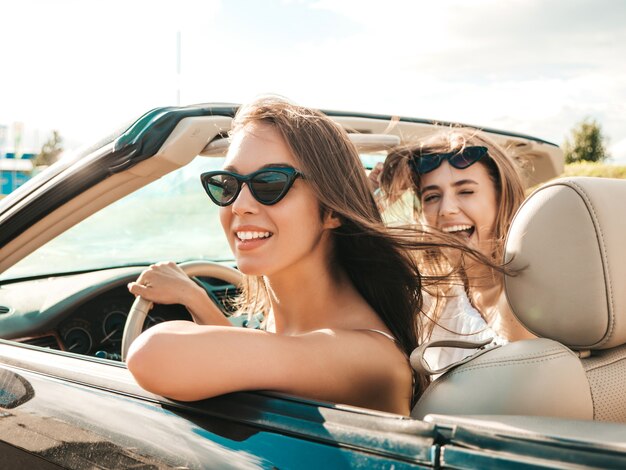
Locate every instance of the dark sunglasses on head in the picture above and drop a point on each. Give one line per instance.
(464, 158)
(268, 186)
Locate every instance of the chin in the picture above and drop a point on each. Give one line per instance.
(253, 267)
(249, 269)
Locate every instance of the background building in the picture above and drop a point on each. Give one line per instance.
(14, 171)
(16, 165)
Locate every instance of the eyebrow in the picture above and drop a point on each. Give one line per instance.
(231, 168)
(455, 184)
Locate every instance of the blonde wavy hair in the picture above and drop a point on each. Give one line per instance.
(505, 173)
(507, 176)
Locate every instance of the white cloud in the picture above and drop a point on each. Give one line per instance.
(523, 65)
(618, 152)
(95, 65)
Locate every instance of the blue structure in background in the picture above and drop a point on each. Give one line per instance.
(14, 172)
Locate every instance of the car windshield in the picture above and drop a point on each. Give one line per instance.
(171, 219)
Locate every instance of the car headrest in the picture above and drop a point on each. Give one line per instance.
(567, 241)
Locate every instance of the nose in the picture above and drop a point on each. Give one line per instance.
(448, 206)
(245, 202)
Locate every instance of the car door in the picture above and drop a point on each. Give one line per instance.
(62, 409)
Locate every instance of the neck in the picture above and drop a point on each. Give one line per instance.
(485, 286)
(310, 297)
(482, 277)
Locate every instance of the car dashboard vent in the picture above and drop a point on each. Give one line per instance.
(225, 297)
(220, 291)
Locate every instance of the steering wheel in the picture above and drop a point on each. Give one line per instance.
(140, 308)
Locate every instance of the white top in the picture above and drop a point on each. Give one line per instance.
(464, 322)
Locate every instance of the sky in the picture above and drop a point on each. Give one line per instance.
(537, 67)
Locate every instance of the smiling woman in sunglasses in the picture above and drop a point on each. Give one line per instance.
(302, 223)
(467, 187)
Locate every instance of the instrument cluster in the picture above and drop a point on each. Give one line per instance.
(96, 328)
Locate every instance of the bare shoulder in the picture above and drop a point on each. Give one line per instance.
(352, 366)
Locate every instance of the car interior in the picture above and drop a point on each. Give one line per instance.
(561, 241)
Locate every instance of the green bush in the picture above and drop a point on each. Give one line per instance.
(594, 169)
(586, 143)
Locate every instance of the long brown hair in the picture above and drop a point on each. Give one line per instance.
(378, 260)
(382, 272)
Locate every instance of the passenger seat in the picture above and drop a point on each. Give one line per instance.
(568, 244)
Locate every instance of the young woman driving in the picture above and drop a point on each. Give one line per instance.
(468, 187)
(302, 223)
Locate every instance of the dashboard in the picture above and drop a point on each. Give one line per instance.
(96, 328)
(85, 313)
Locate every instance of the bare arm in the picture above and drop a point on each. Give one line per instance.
(167, 283)
(185, 361)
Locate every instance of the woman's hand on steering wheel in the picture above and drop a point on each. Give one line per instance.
(168, 283)
(164, 283)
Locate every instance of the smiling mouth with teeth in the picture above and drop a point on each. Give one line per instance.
(252, 235)
(463, 230)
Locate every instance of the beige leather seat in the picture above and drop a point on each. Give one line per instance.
(570, 239)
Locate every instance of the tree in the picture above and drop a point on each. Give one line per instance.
(50, 151)
(586, 144)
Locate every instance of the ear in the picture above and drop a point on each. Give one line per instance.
(331, 220)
